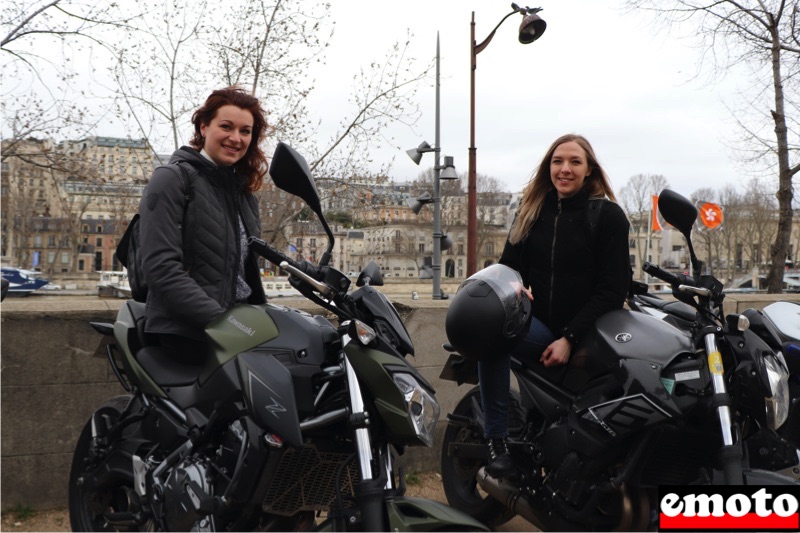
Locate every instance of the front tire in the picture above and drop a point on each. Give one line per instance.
(459, 475)
(93, 493)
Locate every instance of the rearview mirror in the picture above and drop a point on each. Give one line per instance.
(677, 211)
(371, 275)
(290, 173)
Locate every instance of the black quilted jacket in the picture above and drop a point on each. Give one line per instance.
(190, 243)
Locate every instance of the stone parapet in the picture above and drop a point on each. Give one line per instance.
(52, 381)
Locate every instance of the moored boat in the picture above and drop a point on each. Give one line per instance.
(22, 282)
(113, 284)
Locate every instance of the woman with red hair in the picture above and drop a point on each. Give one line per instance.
(196, 215)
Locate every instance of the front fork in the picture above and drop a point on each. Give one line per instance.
(731, 450)
(370, 490)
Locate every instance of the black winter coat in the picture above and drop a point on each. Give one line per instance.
(574, 276)
(190, 244)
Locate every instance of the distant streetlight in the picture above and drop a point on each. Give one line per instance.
(440, 172)
(532, 28)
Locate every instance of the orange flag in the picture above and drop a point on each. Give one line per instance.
(710, 215)
(655, 226)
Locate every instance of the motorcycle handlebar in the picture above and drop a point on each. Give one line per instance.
(299, 273)
(265, 250)
(669, 277)
(300, 269)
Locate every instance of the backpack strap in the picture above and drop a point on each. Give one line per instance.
(593, 211)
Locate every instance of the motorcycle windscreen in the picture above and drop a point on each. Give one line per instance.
(269, 393)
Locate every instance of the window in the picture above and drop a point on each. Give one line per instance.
(313, 243)
(676, 247)
(37, 241)
(51, 240)
(632, 244)
(633, 260)
(460, 249)
(99, 242)
(99, 229)
(64, 258)
(422, 247)
(489, 248)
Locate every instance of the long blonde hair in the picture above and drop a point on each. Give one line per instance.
(596, 185)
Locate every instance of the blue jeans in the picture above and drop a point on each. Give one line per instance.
(494, 378)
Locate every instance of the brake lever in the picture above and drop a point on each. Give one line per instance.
(317, 285)
(700, 291)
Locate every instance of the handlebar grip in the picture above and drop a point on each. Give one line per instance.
(265, 250)
(669, 277)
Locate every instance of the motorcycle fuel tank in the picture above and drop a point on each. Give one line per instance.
(638, 336)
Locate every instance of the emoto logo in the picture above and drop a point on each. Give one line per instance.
(729, 508)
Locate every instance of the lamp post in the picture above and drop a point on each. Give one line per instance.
(532, 28)
(440, 172)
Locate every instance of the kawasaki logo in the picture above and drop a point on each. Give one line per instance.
(238, 325)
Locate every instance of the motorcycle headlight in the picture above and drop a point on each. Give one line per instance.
(778, 405)
(423, 409)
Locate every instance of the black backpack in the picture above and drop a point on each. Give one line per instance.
(128, 251)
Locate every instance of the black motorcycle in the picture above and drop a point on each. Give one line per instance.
(640, 404)
(292, 423)
(778, 325)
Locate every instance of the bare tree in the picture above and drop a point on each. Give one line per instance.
(160, 77)
(636, 198)
(636, 195)
(732, 202)
(763, 34)
(43, 94)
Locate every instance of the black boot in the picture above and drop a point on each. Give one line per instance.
(500, 464)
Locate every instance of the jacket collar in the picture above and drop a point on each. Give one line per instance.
(578, 199)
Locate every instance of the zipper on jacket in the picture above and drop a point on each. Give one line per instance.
(553, 263)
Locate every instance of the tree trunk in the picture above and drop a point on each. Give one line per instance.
(780, 248)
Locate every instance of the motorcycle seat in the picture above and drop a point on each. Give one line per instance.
(165, 370)
(138, 338)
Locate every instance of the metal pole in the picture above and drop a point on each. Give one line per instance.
(437, 215)
(472, 180)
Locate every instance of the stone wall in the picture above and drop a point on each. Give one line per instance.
(52, 381)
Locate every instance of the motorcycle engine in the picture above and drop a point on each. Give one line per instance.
(188, 496)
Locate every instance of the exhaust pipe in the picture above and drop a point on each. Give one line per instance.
(510, 496)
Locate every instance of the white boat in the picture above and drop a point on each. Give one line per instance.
(113, 284)
(22, 282)
(278, 286)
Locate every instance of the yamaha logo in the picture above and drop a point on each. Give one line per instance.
(623, 337)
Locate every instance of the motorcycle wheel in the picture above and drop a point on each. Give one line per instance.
(88, 502)
(459, 476)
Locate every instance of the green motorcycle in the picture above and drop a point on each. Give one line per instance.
(293, 423)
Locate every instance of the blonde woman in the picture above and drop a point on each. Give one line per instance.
(573, 273)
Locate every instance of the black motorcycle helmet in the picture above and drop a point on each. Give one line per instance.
(489, 315)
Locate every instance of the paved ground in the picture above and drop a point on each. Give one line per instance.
(422, 485)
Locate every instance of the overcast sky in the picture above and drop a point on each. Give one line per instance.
(596, 71)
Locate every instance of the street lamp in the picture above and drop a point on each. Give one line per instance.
(532, 28)
(441, 242)
(440, 172)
